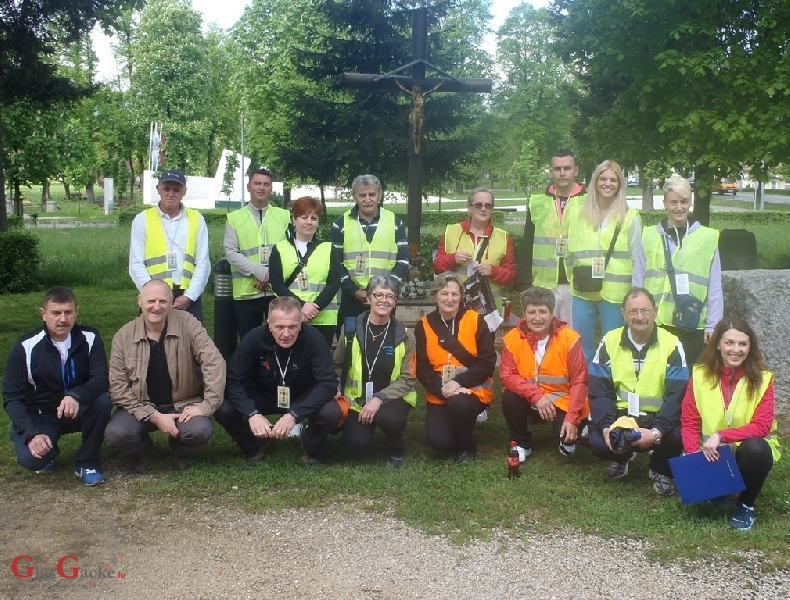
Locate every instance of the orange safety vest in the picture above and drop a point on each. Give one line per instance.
(438, 356)
(552, 374)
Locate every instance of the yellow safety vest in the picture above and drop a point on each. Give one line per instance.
(379, 256)
(710, 405)
(694, 258)
(586, 243)
(548, 229)
(317, 270)
(456, 240)
(251, 238)
(650, 385)
(155, 259)
(353, 389)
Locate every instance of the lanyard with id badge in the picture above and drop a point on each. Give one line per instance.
(361, 263)
(283, 391)
(448, 370)
(561, 243)
(372, 365)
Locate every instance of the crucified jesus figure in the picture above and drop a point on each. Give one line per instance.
(417, 104)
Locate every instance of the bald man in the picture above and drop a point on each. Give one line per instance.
(166, 374)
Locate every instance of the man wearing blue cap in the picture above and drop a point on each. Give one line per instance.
(170, 242)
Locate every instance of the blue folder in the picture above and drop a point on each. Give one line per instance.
(697, 479)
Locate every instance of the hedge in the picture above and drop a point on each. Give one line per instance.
(20, 261)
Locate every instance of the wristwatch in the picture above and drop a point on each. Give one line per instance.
(656, 436)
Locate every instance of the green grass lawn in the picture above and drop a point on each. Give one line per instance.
(437, 496)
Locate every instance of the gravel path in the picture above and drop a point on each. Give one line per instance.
(205, 552)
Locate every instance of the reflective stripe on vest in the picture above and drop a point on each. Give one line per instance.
(438, 356)
(543, 212)
(710, 405)
(275, 223)
(155, 259)
(380, 255)
(584, 244)
(353, 389)
(457, 240)
(650, 385)
(552, 373)
(317, 271)
(694, 258)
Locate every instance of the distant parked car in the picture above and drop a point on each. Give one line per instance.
(725, 187)
(632, 181)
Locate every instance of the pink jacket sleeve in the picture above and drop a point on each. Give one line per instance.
(690, 421)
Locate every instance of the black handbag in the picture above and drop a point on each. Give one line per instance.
(583, 281)
(688, 309)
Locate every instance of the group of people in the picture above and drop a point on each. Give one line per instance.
(684, 378)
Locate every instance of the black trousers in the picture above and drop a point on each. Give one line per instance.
(670, 447)
(449, 427)
(320, 424)
(520, 413)
(755, 461)
(391, 419)
(250, 313)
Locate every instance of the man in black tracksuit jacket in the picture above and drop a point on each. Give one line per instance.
(56, 383)
(284, 354)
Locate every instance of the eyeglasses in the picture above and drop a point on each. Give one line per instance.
(383, 296)
(482, 205)
(645, 312)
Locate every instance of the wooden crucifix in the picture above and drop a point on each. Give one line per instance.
(418, 86)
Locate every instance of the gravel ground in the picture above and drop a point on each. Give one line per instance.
(167, 551)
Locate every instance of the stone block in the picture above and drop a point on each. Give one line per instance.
(761, 297)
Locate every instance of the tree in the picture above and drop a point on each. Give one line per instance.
(30, 35)
(169, 82)
(697, 84)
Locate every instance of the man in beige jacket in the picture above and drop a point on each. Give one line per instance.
(167, 374)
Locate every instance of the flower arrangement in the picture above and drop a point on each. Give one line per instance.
(414, 289)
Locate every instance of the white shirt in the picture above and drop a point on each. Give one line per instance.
(176, 233)
(63, 347)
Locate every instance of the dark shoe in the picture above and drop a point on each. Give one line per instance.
(181, 464)
(47, 468)
(141, 463)
(464, 457)
(743, 519)
(395, 461)
(308, 460)
(262, 451)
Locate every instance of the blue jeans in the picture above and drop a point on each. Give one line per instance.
(91, 421)
(584, 313)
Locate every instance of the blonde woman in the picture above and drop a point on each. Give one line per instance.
(603, 237)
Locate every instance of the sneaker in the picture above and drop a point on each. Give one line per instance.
(743, 519)
(47, 468)
(296, 431)
(90, 476)
(617, 470)
(464, 457)
(567, 449)
(523, 453)
(662, 485)
(395, 461)
(483, 416)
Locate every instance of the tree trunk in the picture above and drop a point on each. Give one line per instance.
(67, 190)
(19, 210)
(703, 189)
(90, 195)
(3, 208)
(323, 201)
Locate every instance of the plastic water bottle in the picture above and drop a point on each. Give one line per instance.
(513, 463)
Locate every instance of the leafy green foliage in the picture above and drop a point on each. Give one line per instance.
(19, 262)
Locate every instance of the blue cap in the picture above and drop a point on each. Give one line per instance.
(173, 175)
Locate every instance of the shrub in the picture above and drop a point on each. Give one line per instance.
(128, 213)
(19, 262)
(16, 222)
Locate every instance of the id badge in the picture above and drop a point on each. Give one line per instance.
(598, 267)
(172, 260)
(448, 373)
(470, 267)
(561, 248)
(283, 397)
(304, 285)
(360, 267)
(633, 404)
(682, 283)
(368, 391)
(264, 255)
